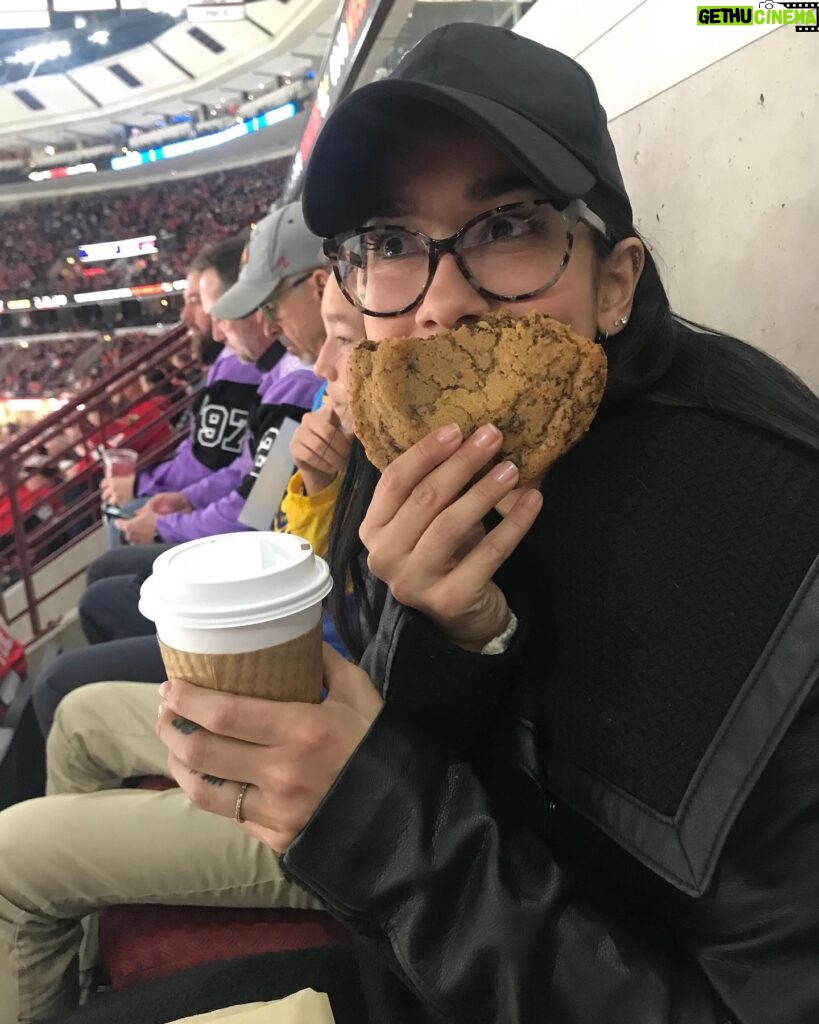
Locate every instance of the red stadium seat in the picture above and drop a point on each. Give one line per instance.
(145, 942)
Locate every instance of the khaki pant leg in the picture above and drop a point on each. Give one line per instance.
(102, 734)
(62, 857)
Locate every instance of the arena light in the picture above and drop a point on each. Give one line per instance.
(100, 37)
(277, 115)
(125, 248)
(62, 172)
(102, 296)
(24, 14)
(70, 6)
(144, 291)
(139, 291)
(50, 301)
(187, 146)
(41, 52)
(25, 19)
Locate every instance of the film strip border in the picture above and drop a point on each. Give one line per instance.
(802, 7)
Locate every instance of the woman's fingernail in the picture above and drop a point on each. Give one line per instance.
(487, 435)
(534, 499)
(160, 709)
(446, 435)
(505, 472)
(165, 689)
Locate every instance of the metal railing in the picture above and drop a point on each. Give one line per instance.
(51, 473)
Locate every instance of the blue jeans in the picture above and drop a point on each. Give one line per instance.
(112, 534)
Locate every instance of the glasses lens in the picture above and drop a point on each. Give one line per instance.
(517, 251)
(383, 269)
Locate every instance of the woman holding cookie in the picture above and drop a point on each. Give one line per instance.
(573, 776)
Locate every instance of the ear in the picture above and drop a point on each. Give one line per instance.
(318, 280)
(618, 275)
(268, 330)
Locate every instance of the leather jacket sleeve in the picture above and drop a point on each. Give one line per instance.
(475, 914)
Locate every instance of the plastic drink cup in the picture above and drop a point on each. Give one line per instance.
(119, 461)
(241, 613)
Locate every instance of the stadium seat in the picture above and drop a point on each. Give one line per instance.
(141, 943)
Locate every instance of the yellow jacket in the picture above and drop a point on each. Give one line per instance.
(307, 515)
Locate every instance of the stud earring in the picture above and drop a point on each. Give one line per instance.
(621, 321)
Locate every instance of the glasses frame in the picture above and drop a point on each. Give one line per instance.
(268, 309)
(573, 212)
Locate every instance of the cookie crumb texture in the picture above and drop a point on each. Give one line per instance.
(538, 381)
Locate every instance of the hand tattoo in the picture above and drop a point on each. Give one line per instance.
(212, 780)
(184, 725)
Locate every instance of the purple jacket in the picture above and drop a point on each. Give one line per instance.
(218, 428)
(216, 507)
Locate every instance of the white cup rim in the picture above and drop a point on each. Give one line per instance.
(283, 591)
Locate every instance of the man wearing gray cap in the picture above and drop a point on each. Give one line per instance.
(282, 280)
(277, 296)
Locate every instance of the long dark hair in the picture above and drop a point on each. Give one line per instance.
(658, 356)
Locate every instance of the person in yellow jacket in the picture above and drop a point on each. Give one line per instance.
(321, 444)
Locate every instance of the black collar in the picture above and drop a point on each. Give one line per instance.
(268, 359)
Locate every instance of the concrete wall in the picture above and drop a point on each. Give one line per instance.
(723, 171)
(716, 131)
(58, 610)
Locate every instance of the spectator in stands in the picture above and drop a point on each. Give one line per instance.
(38, 505)
(155, 382)
(108, 609)
(193, 211)
(602, 807)
(102, 839)
(319, 451)
(42, 369)
(203, 345)
(143, 423)
(90, 844)
(220, 417)
(321, 445)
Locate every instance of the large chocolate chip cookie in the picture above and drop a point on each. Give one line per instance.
(538, 381)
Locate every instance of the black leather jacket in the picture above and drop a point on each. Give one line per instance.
(617, 820)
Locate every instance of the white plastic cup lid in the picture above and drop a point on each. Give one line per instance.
(234, 579)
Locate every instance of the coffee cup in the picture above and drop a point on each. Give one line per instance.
(241, 613)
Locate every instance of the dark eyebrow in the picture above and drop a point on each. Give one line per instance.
(480, 190)
(391, 206)
(498, 185)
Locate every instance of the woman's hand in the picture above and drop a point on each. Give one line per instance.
(289, 753)
(320, 448)
(424, 535)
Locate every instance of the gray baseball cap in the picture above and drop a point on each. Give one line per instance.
(280, 246)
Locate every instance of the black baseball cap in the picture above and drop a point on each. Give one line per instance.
(537, 104)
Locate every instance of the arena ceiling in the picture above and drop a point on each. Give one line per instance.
(152, 66)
